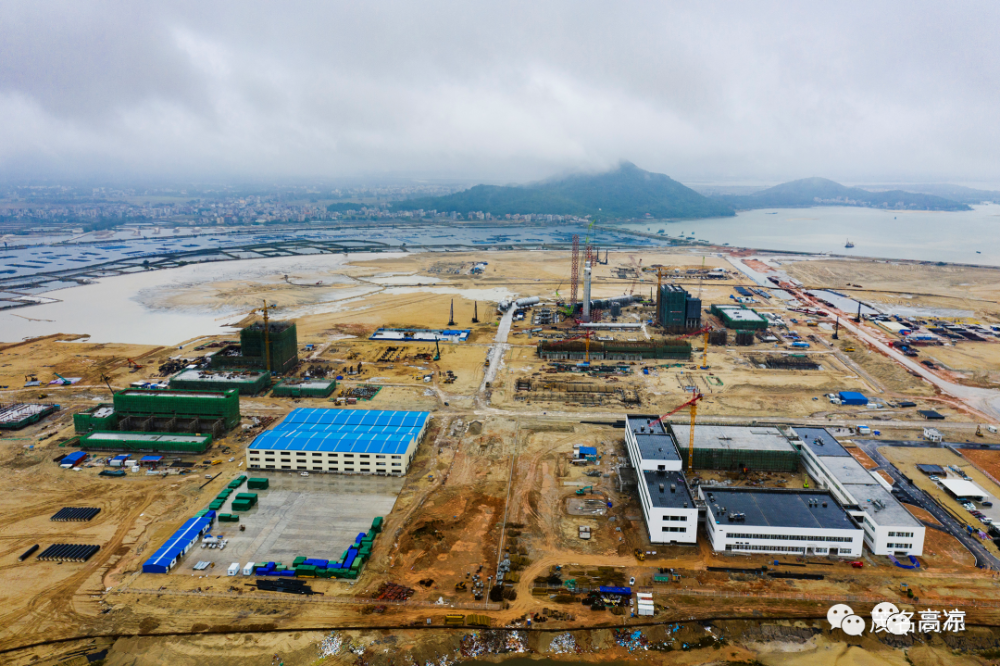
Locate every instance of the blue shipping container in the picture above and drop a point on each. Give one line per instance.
(607, 589)
(852, 398)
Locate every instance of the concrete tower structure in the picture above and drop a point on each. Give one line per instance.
(586, 291)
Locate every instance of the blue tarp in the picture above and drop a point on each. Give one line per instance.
(588, 450)
(853, 398)
(73, 458)
(607, 589)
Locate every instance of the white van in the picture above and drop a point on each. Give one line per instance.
(248, 569)
(234, 569)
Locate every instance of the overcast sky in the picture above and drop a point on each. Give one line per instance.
(739, 92)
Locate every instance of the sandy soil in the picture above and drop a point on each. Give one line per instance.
(493, 474)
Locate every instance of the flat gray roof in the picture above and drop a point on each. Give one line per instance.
(655, 443)
(667, 499)
(194, 375)
(739, 438)
(848, 470)
(891, 512)
(143, 437)
(775, 507)
(740, 314)
(821, 442)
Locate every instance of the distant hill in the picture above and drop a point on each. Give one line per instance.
(624, 192)
(959, 193)
(824, 192)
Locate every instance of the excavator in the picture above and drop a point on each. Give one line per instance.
(583, 491)
(132, 364)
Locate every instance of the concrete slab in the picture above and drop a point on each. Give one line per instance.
(317, 516)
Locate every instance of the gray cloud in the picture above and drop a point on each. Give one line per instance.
(500, 91)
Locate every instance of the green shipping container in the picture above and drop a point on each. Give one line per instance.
(241, 506)
(228, 518)
(237, 482)
(298, 560)
(377, 524)
(257, 483)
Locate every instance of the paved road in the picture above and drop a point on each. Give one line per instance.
(985, 401)
(912, 495)
(500, 348)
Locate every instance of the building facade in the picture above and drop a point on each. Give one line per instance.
(780, 522)
(340, 441)
(667, 503)
(889, 529)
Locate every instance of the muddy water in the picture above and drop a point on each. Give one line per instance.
(132, 309)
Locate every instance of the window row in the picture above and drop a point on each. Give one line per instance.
(674, 529)
(791, 537)
(907, 535)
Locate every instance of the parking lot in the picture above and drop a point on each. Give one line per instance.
(317, 516)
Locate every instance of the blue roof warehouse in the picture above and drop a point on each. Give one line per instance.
(164, 559)
(351, 441)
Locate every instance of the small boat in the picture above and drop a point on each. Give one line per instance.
(848, 243)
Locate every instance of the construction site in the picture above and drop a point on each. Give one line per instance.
(549, 470)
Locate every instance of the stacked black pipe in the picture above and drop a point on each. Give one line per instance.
(66, 552)
(75, 514)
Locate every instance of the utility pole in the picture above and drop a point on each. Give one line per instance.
(475, 312)
(451, 317)
(836, 331)
(858, 319)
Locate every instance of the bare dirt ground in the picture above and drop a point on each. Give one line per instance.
(491, 475)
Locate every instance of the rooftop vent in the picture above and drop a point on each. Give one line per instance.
(673, 488)
(661, 487)
(824, 505)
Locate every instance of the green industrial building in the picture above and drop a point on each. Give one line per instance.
(100, 418)
(617, 350)
(737, 448)
(247, 382)
(677, 310)
(304, 388)
(159, 411)
(145, 441)
(739, 317)
(281, 339)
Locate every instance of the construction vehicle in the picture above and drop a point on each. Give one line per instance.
(583, 491)
(979, 431)
(216, 462)
(132, 364)
(693, 404)
(858, 564)
(63, 381)
(849, 349)
(460, 586)
(639, 555)
(437, 351)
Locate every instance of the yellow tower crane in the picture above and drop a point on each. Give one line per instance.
(693, 404)
(265, 311)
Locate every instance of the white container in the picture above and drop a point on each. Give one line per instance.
(234, 569)
(248, 569)
(644, 596)
(991, 428)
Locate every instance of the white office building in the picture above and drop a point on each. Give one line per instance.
(889, 528)
(667, 504)
(777, 521)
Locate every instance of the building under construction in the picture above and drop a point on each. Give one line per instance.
(739, 317)
(158, 411)
(677, 310)
(21, 415)
(614, 350)
(279, 341)
(784, 362)
(737, 448)
(247, 382)
(313, 387)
